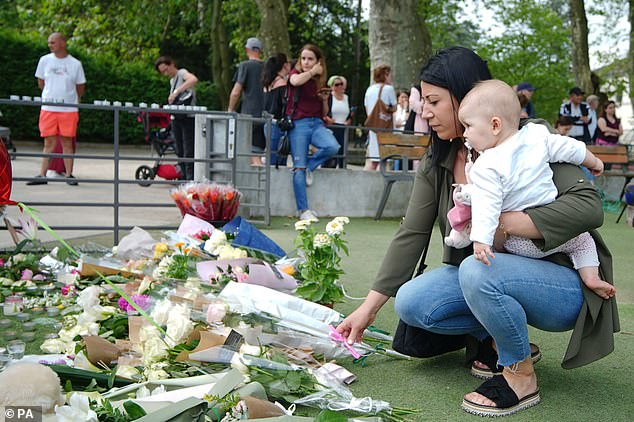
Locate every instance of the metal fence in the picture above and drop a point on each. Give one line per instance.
(218, 157)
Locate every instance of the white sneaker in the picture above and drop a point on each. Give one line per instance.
(52, 174)
(309, 178)
(308, 215)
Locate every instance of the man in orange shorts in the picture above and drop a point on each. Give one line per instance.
(61, 78)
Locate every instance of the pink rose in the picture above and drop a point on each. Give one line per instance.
(27, 275)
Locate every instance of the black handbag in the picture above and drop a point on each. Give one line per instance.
(286, 123)
(284, 146)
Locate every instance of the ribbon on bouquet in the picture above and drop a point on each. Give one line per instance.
(338, 338)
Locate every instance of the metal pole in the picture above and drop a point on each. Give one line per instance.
(116, 177)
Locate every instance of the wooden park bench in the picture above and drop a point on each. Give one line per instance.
(398, 146)
(613, 156)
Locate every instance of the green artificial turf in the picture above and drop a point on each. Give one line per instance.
(602, 391)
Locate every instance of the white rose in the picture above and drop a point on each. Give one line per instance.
(334, 228)
(53, 345)
(321, 240)
(154, 349)
(145, 284)
(247, 349)
(217, 238)
(236, 363)
(127, 371)
(179, 327)
(78, 411)
(89, 297)
(341, 220)
(229, 252)
(160, 313)
(155, 372)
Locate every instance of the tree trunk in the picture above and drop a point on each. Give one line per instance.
(354, 92)
(580, 56)
(630, 74)
(398, 37)
(274, 26)
(220, 64)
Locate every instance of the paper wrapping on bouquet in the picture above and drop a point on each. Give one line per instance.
(259, 272)
(91, 266)
(192, 225)
(177, 405)
(292, 312)
(208, 201)
(136, 244)
(6, 177)
(246, 234)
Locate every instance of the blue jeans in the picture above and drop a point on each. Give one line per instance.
(309, 131)
(499, 300)
(276, 134)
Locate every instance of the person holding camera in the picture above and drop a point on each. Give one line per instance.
(182, 92)
(306, 106)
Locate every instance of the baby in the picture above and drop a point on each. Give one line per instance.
(512, 173)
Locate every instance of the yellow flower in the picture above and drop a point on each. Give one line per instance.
(60, 306)
(288, 269)
(179, 244)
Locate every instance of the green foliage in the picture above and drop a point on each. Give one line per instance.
(445, 28)
(288, 385)
(107, 78)
(534, 47)
(321, 270)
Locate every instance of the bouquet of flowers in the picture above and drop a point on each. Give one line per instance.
(207, 201)
(321, 268)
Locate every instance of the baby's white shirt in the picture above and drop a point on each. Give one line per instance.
(516, 175)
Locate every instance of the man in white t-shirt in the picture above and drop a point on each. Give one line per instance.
(61, 78)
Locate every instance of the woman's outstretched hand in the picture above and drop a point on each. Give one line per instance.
(353, 326)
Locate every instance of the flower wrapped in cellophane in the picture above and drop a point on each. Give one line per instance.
(207, 201)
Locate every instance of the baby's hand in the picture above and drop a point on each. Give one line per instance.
(481, 252)
(597, 168)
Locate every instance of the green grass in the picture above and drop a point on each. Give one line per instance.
(602, 391)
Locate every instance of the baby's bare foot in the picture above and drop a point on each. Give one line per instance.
(600, 287)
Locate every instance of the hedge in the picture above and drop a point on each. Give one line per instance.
(107, 79)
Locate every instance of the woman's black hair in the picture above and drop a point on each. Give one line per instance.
(456, 69)
(272, 66)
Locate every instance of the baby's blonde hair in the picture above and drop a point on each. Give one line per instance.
(496, 98)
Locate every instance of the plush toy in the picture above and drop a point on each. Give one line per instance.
(460, 217)
(30, 384)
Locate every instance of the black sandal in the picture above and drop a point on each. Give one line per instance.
(489, 357)
(506, 401)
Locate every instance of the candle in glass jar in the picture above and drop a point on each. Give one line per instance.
(13, 305)
(23, 317)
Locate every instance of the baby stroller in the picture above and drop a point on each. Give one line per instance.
(157, 129)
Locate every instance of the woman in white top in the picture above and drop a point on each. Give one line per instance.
(382, 78)
(339, 113)
(402, 111)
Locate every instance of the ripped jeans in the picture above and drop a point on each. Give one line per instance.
(309, 131)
